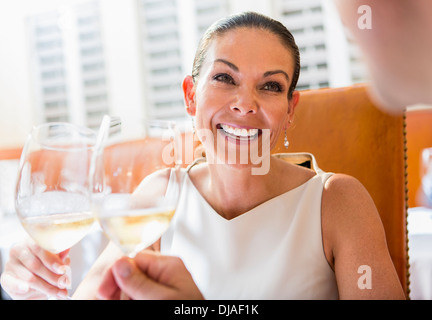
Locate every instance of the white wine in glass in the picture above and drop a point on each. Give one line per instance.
(136, 181)
(52, 193)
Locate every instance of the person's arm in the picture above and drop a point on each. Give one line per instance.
(355, 243)
(149, 275)
(88, 287)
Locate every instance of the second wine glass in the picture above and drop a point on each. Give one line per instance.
(136, 181)
(52, 193)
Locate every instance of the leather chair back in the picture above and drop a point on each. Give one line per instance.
(348, 134)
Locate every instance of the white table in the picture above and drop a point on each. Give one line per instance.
(420, 253)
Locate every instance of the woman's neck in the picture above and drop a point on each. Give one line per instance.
(232, 191)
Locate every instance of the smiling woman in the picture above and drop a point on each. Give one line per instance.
(291, 233)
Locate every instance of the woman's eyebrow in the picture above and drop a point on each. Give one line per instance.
(269, 73)
(266, 74)
(229, 64)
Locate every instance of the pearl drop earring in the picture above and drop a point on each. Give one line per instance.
(286, 142)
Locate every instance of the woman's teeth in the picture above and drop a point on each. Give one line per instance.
(239, 132)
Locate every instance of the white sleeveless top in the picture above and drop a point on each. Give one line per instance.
(274, 251)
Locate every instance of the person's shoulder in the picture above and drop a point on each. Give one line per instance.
(345, 200)
(341, 186)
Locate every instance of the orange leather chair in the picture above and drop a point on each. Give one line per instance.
(347, 134)
(10, 153)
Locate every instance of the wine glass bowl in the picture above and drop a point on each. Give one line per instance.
(136, 182)
(52, 197)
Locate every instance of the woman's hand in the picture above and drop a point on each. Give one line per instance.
(149, 275)
(34, 273)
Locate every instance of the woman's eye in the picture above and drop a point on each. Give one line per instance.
(223, 77)
(273, 86)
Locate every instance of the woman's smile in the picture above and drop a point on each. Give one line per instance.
(238, 133)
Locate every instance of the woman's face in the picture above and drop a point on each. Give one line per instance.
(241, 95)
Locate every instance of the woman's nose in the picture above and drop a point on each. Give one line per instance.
(243, 109)
(244, 104)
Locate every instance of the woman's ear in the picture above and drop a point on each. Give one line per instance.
(189, 95)
(292, 103)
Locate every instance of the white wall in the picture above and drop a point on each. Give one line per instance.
(17, 112)
(261, 6)
(121, 39)
(337, 47)
(15, 96)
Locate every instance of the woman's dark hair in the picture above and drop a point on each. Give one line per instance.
(248, 20)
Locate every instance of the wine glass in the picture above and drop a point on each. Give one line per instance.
(136, 181)
(52, 198)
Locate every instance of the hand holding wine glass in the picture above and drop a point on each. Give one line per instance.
(53, 205)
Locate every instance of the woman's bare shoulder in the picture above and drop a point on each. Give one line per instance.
(344, 197)
(341, 190)
(349, 216)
